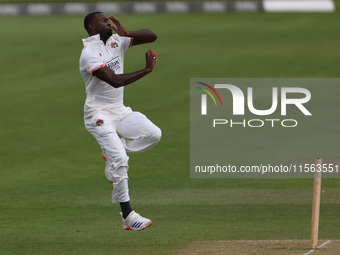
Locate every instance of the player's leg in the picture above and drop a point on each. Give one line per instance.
(103, 128)
(117, 174)
(116, 168)
(138, 133)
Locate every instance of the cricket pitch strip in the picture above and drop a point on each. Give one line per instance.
(261, 247)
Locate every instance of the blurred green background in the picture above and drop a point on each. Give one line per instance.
(54, 195)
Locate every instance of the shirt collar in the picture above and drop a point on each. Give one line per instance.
(91, 39)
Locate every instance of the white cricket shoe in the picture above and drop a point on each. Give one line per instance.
(135, 222)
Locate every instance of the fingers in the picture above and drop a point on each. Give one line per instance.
(152, 56)
(151, 59)
(114, 28)
(114, 20)
(152, 53)
(117, 27)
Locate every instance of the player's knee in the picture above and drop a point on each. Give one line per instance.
(115, 159)
(117, 175)
(117, 169)
(120, 161)
(156, 134)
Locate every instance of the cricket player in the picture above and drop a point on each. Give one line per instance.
(118, 130)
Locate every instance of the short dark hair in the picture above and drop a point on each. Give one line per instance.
(88, 19)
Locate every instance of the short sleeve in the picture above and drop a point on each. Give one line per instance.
(90, 61)
(126, 42)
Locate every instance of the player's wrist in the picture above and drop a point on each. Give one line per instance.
(128, 34)
(148, 69)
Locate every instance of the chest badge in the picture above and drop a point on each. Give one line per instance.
(114, 45)
(99, 122)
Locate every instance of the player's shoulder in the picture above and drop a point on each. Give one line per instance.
(88, 54)
(118, 38)
(86, 51)
(118, 41)
(115, 37)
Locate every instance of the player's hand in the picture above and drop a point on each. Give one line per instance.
(117, 27)
(151, 59)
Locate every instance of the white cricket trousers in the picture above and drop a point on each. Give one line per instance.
(119, 132)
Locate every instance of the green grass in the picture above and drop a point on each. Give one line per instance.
(54, 196)
(337, 2)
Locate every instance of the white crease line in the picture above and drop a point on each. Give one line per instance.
(327, 242)
(324, 243)
(253, 241)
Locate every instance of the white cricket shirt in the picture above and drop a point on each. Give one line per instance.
(95, 55)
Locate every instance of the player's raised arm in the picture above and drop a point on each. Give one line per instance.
(139, 37)
(120, 80)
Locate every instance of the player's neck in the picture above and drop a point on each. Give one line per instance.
(104, 38)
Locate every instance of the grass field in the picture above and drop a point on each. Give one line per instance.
(337, 2)
(54, 195)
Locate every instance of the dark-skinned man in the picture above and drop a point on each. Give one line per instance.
(118, 130)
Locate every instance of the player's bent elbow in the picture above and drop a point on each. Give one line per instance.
(154, 37)
(156, 134)
(115, 85)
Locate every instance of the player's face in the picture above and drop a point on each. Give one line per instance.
(102, 25)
